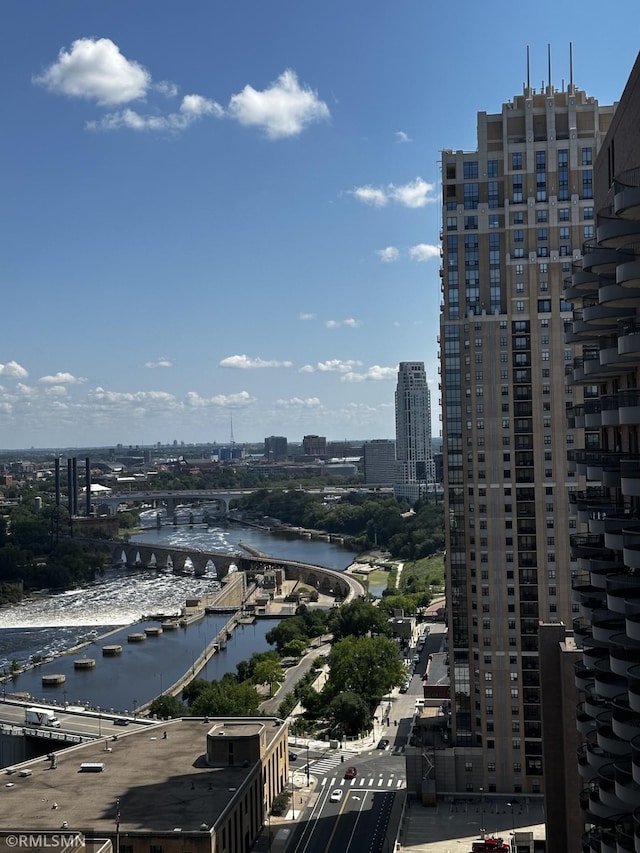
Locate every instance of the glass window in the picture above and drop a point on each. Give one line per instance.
(494, 220)
(452, 223)
(470, 169)
(588, 213)
(518, 195)
(518, 218)
(518, 235)
(587, 183)
(587, 156)
(471, 196)
(564, 214)
(541, 216)
(516, 161)
(492, 168)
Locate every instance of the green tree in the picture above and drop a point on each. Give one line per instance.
(367, 666)
(227, 698)
(166, 707)
(357, 619)
(267, 672)
(350, 712)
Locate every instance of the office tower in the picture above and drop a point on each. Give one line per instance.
(515, 215)
(379, 460)
(605, 293)
(414, 455)
(315, 446)
(275, 448)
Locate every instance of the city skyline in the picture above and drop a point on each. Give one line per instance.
(236, 211)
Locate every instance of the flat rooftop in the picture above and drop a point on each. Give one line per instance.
(162, 783)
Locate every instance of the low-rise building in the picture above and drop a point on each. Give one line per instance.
(191, 785)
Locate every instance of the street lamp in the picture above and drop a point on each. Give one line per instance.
(99, 722)
(481, 812)
(308, 781)
(293, 799)
(513, 828)
(135, 705)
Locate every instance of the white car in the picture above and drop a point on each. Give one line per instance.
(336, 795)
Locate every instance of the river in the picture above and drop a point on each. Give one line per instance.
(47, 625)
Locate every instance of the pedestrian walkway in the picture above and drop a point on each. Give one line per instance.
(377, 781)
(330, 762)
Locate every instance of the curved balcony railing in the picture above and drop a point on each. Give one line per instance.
(626, 194)
(615, 232)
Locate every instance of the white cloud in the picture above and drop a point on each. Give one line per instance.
(244, 362)
(334, 365)
(62, 379)
(424, 252)
(415, 194)
(350, 322)
(374, 196)
(13, 370)
(160, 362)
(95, 69)
(388, 255)
(192, 108)
(306, 316)
(375, 373)
(401, 136)
(243, 398)
(101, 395)
(283, 109)
(56, 391)
(298, 403)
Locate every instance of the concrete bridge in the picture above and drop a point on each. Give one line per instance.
(171, 499)
(172, 558)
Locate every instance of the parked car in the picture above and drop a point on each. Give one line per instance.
(336, 795)
(350, 773)
(404, 687)
(383, 743)
(293, 756)
(121, 721)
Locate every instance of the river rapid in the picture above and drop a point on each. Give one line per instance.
(47, 624)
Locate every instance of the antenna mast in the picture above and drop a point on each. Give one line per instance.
(231, 441)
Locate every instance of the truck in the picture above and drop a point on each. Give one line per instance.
(41, 717)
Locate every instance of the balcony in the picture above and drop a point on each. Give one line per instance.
(625, 724)
(608, 741)
(627, 791)
(608, 684)
(585, 281)
(612, 232)
(628, 276)
(583, 676)
(621, 531)
(629, 407)
(599, 259)
(626, 198)
(630, 476)
(624, 654)
(629, 342)
(633, 688)
(609, 410)
(620, 294)
(605, 628)
(632, 624)
(621, 590)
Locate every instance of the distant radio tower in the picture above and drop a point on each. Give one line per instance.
(232, 442)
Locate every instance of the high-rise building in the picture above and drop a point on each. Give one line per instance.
(276, 448)
(516, 213)
(414, 454)
(604, 290)
(379, 461)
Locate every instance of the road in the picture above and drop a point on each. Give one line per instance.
(72, 721)
(359, 819)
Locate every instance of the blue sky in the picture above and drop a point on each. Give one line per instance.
(230, 210)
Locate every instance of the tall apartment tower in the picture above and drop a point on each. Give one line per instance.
(605, 293)
(515, 215)
(414, 454)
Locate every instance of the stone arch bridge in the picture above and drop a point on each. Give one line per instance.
(137, 555)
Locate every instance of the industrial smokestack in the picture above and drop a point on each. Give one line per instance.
(87, 481)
